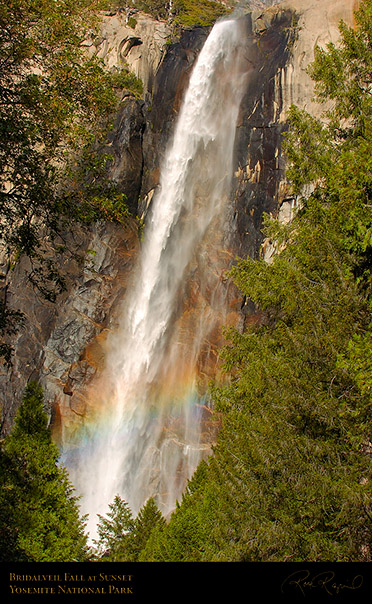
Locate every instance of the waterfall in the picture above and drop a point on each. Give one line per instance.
(143, 434)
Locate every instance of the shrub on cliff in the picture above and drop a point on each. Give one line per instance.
(189, 13)
(183, 13)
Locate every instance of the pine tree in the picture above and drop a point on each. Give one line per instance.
(124, 538)
(148, 521)
(184, 537)
(40, 510)
(115, 532)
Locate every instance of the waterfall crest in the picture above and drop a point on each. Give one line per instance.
(143, 431)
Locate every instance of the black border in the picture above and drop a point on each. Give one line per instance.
(144, 582)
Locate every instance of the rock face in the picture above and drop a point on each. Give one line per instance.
(312, 24)
(283, 40)
(75, 348)
(125, 146)
(64, 344)
(317, 24)
(136, 40)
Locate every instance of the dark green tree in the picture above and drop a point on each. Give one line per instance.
(148, 521)
(123, 538)
(40, 518)
(115, 532)
(54, 100)
(185, 536)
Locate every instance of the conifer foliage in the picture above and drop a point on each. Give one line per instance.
(115, 531)
(39, 514)
(123, 538)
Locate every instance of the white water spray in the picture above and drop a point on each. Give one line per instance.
(145, 439)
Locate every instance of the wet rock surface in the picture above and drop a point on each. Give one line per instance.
(160, 113)
(125, 146)
(60, 342)
(75, 349)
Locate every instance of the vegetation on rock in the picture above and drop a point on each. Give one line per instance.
(182, 13)
(56, 102)
(188, 13)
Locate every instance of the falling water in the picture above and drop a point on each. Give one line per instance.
(146, 408)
